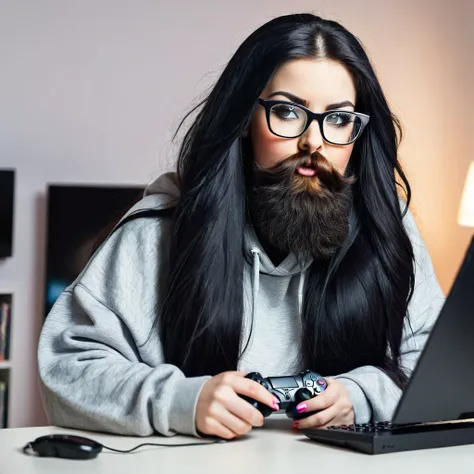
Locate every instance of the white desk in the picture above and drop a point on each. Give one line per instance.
(272, 449)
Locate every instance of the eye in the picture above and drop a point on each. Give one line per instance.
(339, 119)
(287, 112)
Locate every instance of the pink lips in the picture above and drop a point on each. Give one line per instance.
(302, 170)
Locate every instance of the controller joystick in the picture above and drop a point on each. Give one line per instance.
(290, 391)
(301, 395)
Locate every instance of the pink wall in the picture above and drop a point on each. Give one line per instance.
(91, 91)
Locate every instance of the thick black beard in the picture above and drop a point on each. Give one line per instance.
(307, 216)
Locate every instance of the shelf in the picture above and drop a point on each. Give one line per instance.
(5, 364)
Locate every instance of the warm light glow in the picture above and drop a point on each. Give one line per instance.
(466, 211)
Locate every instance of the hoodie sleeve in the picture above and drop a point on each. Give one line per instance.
(373, 394)
(100, 358)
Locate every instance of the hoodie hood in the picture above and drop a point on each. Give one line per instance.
(164, 192)
(165, 189)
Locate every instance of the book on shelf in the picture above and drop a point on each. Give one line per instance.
(3, 404)
(4, 330)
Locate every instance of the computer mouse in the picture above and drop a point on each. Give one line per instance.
(64, 446)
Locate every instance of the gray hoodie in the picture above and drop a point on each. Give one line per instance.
(100, 356)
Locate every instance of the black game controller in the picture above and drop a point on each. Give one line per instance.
(290, 391)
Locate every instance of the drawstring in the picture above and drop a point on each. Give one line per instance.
(300, 292)
(255, 281)
(255, 286)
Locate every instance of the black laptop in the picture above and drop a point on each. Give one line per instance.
(440, 393)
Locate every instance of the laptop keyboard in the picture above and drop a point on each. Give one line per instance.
(377, 427)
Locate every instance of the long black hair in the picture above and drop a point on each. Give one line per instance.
(355, 303)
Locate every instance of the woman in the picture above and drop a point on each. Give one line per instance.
(279, 245)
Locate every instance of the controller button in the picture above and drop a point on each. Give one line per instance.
(317, 389)
(321, 382)
(309, 383)
(313, 376)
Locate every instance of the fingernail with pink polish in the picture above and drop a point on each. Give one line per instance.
(276, 405)
(296, 426)
(301, 407)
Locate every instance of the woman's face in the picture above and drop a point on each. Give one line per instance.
(319, 85)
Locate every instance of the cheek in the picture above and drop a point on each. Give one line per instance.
(339, 157)
(268, 149)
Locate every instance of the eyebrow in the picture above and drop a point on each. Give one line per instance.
(298, 100)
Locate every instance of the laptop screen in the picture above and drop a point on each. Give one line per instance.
(442, 385)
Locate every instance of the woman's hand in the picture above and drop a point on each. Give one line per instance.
(221, 412)
(334, 407)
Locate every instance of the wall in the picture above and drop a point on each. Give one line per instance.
(90, 91)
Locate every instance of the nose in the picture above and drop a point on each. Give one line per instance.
(312, 139)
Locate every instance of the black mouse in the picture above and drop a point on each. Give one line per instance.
(64, 446)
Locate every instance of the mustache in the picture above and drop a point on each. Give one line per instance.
(286, 171)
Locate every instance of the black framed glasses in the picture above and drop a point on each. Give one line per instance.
(289, 120)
